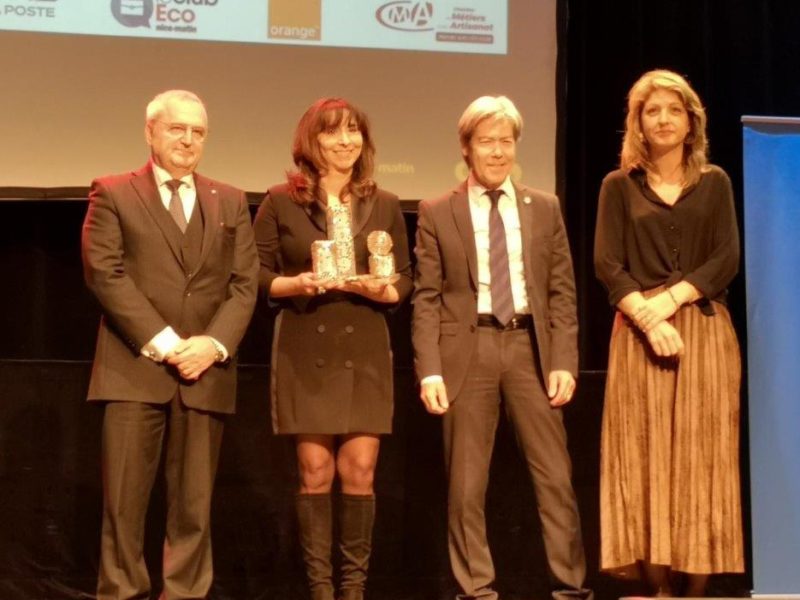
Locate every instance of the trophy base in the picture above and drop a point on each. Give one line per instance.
(389, 279)
(393, 278)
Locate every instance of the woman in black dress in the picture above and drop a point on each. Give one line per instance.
(331, 383)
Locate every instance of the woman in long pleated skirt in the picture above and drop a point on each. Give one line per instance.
(666, 248)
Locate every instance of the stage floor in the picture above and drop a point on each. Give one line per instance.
(50, 498)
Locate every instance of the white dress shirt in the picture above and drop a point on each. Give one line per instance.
(479, 207)
(187, 192)
(166, 340)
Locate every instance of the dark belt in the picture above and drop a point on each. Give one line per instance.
(516, 322)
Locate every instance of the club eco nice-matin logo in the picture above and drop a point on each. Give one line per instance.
(406, 15)
(137, 13)
(132, 13)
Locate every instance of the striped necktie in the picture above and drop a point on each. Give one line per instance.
(502, 298)
(176, 204)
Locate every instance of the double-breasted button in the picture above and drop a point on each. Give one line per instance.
(348, 364)
(320, 362)
(349, 329)
(188, 294)
(320, 328)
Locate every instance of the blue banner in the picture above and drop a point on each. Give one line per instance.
(772, 270)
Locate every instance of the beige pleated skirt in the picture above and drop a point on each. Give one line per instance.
(669, 474)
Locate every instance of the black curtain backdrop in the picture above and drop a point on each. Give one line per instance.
(741, 56)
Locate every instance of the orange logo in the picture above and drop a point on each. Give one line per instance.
(293, 20)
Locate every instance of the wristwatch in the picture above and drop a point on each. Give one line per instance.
(220, 355)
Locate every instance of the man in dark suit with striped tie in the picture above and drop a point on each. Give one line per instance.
(495, 326)
(170, 256)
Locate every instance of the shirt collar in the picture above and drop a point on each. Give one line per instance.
(162, 176)
(477, 190)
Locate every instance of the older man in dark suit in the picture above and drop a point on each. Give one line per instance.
(170, 256)
(495, 324)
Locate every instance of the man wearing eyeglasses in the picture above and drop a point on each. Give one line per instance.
(170, 256)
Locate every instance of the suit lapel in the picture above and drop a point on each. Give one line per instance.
(526, 224)
(208, 197)
(362, 209)
(317, 215)
(459, 204)
(144, 183)
(531, 223)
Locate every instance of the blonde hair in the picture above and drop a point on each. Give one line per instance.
(487, 107)
(635, 153)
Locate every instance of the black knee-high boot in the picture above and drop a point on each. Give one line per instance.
(315, 520)
(356, 518)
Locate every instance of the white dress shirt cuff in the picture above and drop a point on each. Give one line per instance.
(432, 379)
(221, 349)
(162, 344)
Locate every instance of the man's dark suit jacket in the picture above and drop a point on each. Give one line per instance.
(134, 265)
(446, 287)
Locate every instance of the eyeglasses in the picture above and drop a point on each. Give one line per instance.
(179, 130)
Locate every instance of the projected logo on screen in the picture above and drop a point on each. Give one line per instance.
(132, 13)
(406, 15)
(20, 10)
(293, 20)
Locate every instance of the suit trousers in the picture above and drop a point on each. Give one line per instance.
(504, 372)
(133, 435)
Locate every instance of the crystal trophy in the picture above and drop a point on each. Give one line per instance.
(381, 259)
(334, 259)
(323, 260)
(340, 232)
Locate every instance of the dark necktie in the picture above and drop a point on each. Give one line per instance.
(176, 204)
(502, 298)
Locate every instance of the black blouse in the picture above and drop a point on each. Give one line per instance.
(641, 242)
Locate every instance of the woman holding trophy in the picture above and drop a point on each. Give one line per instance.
(318, 234)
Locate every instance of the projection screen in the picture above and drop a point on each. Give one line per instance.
(78, 76)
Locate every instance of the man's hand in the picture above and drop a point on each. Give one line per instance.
(560, 387)
(665, 340)
(434, 397)
(193, 356)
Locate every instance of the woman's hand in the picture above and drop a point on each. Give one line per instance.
(665, 340)
(377, 290)
(654, 310)
(306, 284)
(303, 284)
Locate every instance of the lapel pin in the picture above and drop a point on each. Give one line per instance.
(527, 199)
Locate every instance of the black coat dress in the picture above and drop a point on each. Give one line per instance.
(331, 356)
